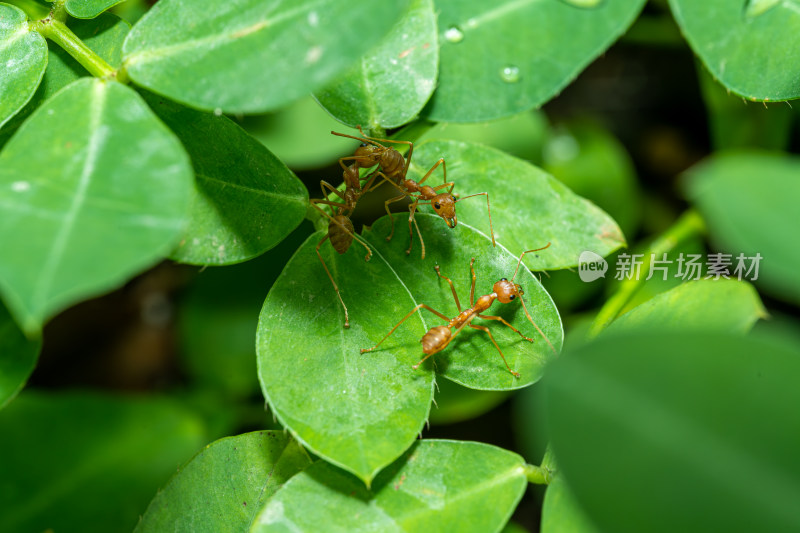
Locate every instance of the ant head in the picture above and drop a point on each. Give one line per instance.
(367, 151)
(445, 206)
(507, 291)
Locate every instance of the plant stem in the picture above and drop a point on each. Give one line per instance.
(689, 224)
(57, 31)
(538, 475)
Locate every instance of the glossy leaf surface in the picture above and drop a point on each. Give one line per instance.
(361, 411)
(529, 207)
(250, 56)
(389, 86)
(18, 357)
(251, 467)
(104, 35)
(504, 57)
(112, 180)
(719, 305)
(698, 432)
(88, 9)
(749, 216)
(245, 201)
(70, 457)
(23, 54)
(437, 486)
(729, 39)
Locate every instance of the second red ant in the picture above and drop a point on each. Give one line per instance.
(439, 337)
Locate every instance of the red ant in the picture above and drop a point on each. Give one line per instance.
(340, 228)
(393, 169)
(437, 338)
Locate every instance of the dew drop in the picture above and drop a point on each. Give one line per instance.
(218, 112)
(509, 74)
(454, 34)
(759, 7)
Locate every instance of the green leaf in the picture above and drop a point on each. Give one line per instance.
(361, 411)
(561, 513)
(747, 216)
(104, 35)
(23, 54)
(246, 200)
(698, 432)
(470, 360)
(358, 411)
(18, 357)
(251, 56)
(729, 39)
(720, 305)
(389, 86)
(529, 207)
(86, 461)
(110, 181)
(437, 486)
(501, 58)
(250, 467)
(89, 9)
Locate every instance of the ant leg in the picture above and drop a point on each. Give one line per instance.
(389, 212)
(331, 189)
(501, 319)
(335, 287)
(418, 307)
(439, 162)
(484, 328)
(527, 314)
(472, 288)
(488, 210)
(451, 184)
(452, 287)
(411, 210)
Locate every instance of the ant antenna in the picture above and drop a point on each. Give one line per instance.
(362, 139)
(523, 255)
(488, 210)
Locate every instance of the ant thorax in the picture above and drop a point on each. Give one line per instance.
(506, 291)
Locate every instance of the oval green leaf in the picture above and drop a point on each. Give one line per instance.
(361, 411)
(89, 9)
(104, 35)
(251, 56)
(561, 513)
(79, 461)
(471, 359)
(251, 467)
(358, 411)
(111, 181)
(749, 217)
(729, 39)
(437, 486)
(23, 54)
(18, 357)
(389, 86)
(698, 432)
(723, 305)
(504, 57)
(529, 207)
(245, 201)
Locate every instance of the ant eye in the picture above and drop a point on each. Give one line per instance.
(512, 296)
(363, 145)
(436, 205)
(503, 279)
(454, 198)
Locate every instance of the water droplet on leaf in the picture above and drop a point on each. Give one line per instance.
(509, 74)
(584, 3)
(759, 7)
(454, 34)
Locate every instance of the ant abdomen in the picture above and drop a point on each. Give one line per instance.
(435, 339)
(340, 239)
(393, 163)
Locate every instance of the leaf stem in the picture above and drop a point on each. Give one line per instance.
(689, 224)
(59, 33)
